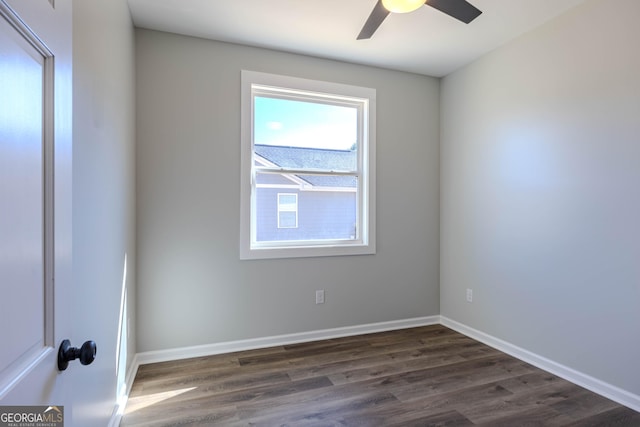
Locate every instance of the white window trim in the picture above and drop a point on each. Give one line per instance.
(367, 243)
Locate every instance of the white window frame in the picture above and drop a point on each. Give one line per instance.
(287, 208)
(253, 82)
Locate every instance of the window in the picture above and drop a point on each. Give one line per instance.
(287, 210)
(308, 168)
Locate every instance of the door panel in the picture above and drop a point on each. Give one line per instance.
(35, 206)
(22, 245)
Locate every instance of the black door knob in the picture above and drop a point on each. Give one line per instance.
(66, 353)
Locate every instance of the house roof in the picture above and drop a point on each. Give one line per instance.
(314, 158)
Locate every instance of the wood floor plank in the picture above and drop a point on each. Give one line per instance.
(520, 403)
(375, 366)
(582, 403)
(202, 396)
(293, 354)
(533, 380)
(540, 416)
(421, 409)
(443, 419)
(217, 381)
(427, 376)
(317, 400)
(459, 376)
(320, 405)
(616, 417)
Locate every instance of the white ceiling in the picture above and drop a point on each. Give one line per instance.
(425, 41)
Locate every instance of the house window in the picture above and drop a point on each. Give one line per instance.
(308, 168)
(287, 210)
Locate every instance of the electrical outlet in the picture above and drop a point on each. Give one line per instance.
(320, 296)
(469, 295)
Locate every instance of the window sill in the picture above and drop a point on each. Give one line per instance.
(306, 251)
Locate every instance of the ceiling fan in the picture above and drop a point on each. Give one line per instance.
(458, 9)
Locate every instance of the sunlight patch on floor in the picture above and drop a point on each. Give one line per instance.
(141, 402)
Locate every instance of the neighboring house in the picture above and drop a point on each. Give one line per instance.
(305, 207)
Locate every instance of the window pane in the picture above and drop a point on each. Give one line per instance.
(294, 123)
(322, 214)
(287, 219)
(287, 201)
(331, 182)
(307, 158)
(287, 210)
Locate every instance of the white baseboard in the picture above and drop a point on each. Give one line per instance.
(595, 385)
(255, 343)
(121, 403)
(116, 416)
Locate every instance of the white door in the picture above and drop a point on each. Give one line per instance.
(35, 199)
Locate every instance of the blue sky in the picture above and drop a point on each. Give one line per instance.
(304, 124)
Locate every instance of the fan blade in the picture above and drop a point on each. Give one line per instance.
(373, 22)
(459, 9)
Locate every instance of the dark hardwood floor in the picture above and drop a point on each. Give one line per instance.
(427, 376)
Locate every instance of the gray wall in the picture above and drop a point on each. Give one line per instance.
(540, 164)
(192, 287)
(103, 197)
